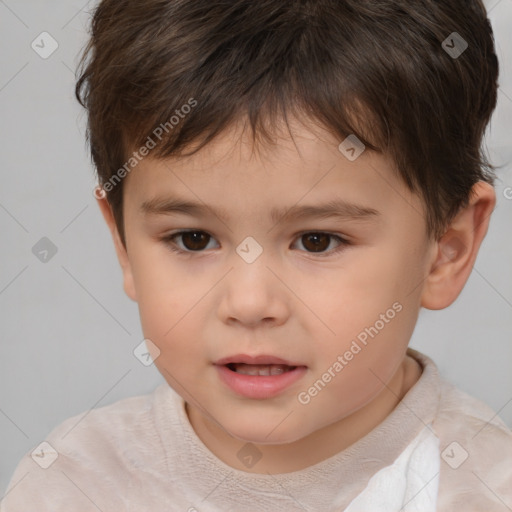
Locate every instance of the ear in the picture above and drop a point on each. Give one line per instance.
(122, 254)
(457, 249)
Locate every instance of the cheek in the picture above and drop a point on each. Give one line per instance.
(371, 313)
(370, 283)
(172, 323)
(169, 304)
(353, 367)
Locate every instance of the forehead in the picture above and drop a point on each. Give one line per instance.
(303, 174)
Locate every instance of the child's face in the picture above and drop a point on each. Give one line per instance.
(291, 302)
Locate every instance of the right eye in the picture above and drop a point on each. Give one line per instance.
(193, 241)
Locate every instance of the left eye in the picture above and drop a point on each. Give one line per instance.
(319, 242)
(197, 241)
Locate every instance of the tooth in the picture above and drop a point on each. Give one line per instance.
(247, 369)
(264, 370)
(276, 369)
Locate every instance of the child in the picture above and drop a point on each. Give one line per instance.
(231, 138)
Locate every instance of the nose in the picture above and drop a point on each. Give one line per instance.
(251, 294)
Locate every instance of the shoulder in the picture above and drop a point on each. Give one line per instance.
(476, 453)
(108, 431)
(465, 416)
(89, 456)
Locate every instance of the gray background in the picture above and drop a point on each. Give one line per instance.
(67, 329)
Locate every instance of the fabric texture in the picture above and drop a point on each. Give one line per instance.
(440, 449)
(410, 484)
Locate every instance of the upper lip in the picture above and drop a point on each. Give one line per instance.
(260, 359)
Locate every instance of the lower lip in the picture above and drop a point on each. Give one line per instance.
(259, 386)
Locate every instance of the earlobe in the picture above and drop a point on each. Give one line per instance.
(122, 254)
(457, 249)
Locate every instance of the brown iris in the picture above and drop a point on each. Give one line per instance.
(319, 241)
(198, 240)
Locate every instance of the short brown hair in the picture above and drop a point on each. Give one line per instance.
(379, 70)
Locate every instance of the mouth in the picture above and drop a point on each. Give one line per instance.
(263, 365)
(259, 369)
(258, 377)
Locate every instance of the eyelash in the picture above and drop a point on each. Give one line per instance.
(169, 241)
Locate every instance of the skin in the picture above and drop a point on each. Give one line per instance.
(291, 302)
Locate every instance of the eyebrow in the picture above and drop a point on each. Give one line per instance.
(335, 208)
